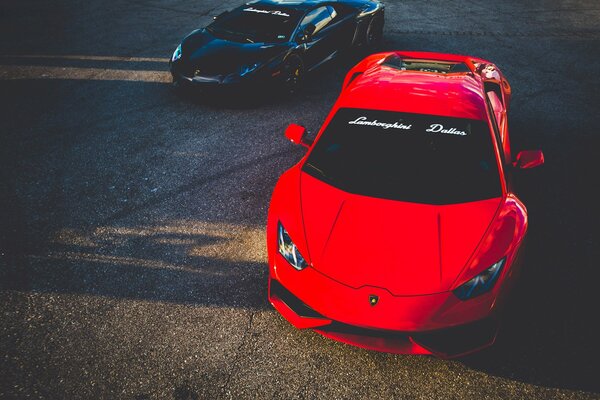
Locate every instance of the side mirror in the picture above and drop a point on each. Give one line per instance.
(309, 30)
(529, 159)
(306, 34)
(295, 134)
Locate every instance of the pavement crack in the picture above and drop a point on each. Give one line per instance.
(238, 352)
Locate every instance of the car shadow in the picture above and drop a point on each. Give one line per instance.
(549, 334)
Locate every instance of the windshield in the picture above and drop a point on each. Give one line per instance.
(257, 24)
(407, 157)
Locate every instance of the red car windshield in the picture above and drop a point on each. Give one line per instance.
(408, 157)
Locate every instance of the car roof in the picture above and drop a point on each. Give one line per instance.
(384, 87)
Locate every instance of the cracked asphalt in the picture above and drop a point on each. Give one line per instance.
(132, 248)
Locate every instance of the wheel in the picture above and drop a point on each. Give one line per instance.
(292, 74)
(374, 32)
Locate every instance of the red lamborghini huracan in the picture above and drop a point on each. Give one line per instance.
(399, 230)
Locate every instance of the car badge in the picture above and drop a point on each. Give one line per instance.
(373, 300)
(197, 72)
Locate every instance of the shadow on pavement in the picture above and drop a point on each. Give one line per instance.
(550, 332)
(183, 262)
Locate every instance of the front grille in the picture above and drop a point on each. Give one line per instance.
(339, 327)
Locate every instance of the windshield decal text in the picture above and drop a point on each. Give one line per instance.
(272, 12)
(439, 128)
(384, 125)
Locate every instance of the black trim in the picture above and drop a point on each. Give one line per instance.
(461, 339)
(292, 301)
(339, 327)
(353, 77)
(449, 341)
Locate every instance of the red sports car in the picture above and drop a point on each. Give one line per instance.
(399, 230)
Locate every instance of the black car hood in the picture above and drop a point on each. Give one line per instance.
(213, 55)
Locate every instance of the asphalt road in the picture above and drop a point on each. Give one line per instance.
(132, 241)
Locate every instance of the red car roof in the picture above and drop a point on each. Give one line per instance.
(377, 86)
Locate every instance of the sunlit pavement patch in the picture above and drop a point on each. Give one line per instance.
(192, 239)
(86, 58)
(13, 72)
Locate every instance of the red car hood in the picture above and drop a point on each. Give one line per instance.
(406, 248)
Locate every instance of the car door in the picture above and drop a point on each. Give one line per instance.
(342, 28)
(318, 46)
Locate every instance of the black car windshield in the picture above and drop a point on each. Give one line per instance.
(408, 157)
(257, 23)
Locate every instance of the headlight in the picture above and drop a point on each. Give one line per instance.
(481, 284)
(246, 69)
(288, 249)
(176, 54)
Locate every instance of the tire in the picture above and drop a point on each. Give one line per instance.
(292, 75)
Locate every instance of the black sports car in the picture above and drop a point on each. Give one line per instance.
(275, 41)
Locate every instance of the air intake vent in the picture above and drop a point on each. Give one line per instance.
(439, 67)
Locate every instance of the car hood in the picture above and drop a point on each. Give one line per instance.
(406, 248)
(214, 55)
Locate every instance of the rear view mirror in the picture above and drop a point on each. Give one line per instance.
(295, 133)
(529, 159)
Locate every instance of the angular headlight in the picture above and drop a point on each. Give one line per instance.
(176, 54)
(288, 249)
(481, 284)
(246, 69)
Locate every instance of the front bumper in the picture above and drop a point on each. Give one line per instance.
(438, 324)
(222, 82)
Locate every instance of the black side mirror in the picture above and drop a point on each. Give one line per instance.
(309, 30)
(306, 34)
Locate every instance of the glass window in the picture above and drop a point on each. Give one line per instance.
(408, 157)
(332, 12)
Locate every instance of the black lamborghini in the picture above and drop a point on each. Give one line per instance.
(274, 42)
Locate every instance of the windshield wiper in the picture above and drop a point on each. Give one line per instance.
(316, 169)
